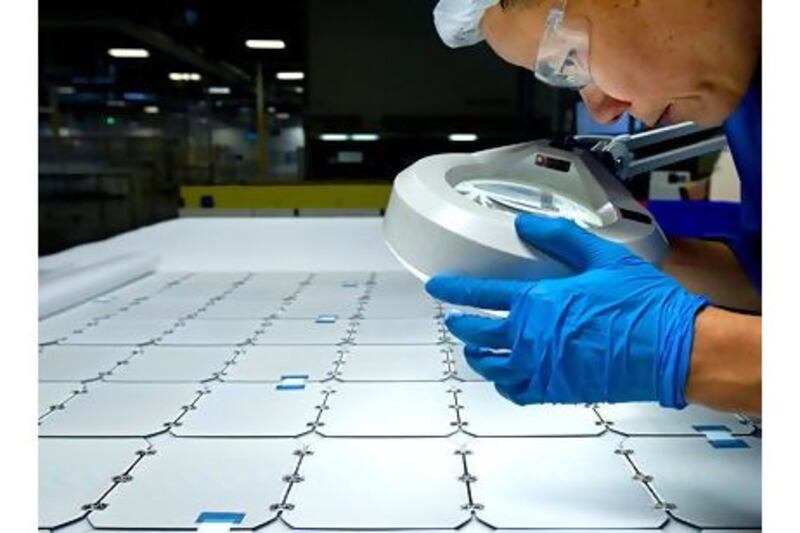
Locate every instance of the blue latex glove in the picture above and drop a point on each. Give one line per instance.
(619, 330)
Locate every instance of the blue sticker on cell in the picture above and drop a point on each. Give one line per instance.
(728, 443)
(720, 437)
(292, 382)
(212, 517)
(284, 386)
(704, 429)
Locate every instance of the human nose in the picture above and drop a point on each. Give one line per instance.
(603, 108)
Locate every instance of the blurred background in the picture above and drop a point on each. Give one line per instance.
(149, 111)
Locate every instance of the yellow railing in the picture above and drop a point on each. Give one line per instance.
(288, 196)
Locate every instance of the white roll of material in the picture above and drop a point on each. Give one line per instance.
(60, 291)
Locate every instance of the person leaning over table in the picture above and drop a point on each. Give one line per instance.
(620, 329)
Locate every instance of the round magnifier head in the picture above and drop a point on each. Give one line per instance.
(517, 197)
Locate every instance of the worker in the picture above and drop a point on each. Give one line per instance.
(620, 329)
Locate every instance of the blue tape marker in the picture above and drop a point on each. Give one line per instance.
(292, 382)
(210, 517)
(720, 437)
(327, 319)
(728, 443)
(704, 429)
(282, 386)
(350, 284)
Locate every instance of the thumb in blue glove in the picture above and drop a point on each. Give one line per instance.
(618, 330)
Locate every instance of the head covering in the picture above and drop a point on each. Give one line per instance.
(458, 21)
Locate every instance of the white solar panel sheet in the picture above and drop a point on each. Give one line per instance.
(487, 414)
(119, 330)
(303, 331)
(229, 374)
(81, 363)
(709, 487)
(253, 410)
(74, 473)
(62, 325)
(271, 363)
(379, 483)
(175, 364)
(201, 332)
(52, 396)
(120, 410)
(382, 362)
(638, 419)
(399, 331)
(390, 410)
(188, 477)
(558, 483)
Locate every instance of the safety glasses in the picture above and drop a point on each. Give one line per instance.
(563, 57)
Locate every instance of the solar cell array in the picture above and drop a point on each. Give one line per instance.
(338, 400)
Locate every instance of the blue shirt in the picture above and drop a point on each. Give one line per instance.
(743, 130)
(736, 224)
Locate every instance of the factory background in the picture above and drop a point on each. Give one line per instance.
(157, 110)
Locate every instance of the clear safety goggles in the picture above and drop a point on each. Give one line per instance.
(563, 56)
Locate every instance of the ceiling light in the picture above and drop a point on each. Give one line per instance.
(65, 90)
(462, 137)
(128, 53)
(151, 109)
(282, 116)
(265, 44)
(219, 90)
(184, 76)
(333, 137)
(290, 76)
(364, 137)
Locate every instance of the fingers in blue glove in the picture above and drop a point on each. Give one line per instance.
(493, 365)
(475, 292)
(564, 240)
(479, 330)
(518, 393)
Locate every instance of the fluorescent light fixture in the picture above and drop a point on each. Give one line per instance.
(151, 109)
(290, 76)
(299, 90)
(364, 137)
(65, 90)
(265, 44)
(128, 53)
(462, 137)
(333, 137)
(282, 116)
(185, 76)
(271, 109)
(115, 103)
(219, 90)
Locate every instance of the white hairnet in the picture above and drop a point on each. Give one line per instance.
(458, 21)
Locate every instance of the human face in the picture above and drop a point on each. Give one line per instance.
(661, 61)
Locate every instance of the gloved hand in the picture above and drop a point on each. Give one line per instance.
(618, 330)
